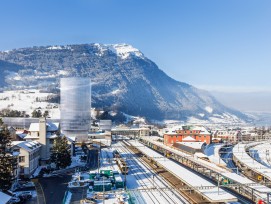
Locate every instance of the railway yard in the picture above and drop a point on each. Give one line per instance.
(147, 171)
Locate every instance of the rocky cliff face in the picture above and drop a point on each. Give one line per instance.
(122, 77)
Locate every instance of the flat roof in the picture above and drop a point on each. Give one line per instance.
(194, 145)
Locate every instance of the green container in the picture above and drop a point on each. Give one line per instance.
(106, 172)
(115, 173)
(92, 175)
(118, 181)
(101, 187)
(119, 184)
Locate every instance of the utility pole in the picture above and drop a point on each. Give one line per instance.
(125, 174)
(103, 189)
(218, 185)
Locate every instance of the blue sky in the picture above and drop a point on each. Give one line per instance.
(213, 44)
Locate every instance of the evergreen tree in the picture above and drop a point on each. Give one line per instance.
(8, 162)
(36, 114)
(46, 114)
(61, 155)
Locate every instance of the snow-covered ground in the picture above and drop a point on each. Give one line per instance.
(225, 118)
(261, 153)
(212, 152)
(27, 100)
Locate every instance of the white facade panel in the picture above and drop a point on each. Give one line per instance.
(75, 105)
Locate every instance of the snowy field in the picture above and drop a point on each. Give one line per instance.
(28, 101)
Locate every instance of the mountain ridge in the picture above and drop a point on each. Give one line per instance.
(123, 79)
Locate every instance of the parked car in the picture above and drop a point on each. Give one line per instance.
(28, 184)
(26, 195)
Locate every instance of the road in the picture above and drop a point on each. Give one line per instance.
(227, 157)
(54, 188)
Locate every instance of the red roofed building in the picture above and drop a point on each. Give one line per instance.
(188, 134)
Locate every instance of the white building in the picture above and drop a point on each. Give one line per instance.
(29, 155)
(75, 106)
(44, 133)
(131, 131)
(105, 125)
(228, 135)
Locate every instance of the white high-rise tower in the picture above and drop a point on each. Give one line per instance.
(75, 105)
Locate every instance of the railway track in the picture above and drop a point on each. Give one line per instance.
(167, 194)
(241, 198)
(132, 159)
(107, 157)
(131, 162)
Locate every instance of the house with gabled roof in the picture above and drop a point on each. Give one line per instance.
(187, 133)
(45, 133)
(29, 156)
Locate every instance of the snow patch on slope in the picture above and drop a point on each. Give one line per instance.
(208, 109)
(201, 115)
(57, 47)
(116, 91)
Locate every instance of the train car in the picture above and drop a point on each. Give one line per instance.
(116, 154)
(122, 166)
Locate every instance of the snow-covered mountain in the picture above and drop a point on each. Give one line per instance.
(122, 77)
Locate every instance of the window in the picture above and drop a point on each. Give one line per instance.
(21, 159)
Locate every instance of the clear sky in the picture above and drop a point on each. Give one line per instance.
(213, 44)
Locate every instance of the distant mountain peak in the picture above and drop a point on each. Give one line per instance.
(122, 50)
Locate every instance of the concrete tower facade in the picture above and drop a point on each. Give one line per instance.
(75, 106)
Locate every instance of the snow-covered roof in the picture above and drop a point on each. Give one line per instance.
(233, 176)
(34, 127)
(188, 138)
(239, 151)
(189, 177)
(71, 139)
(51, 136)
(52, 126)
(4, 197)
(194, 145)
(28, 136)
(27, 145)
(21, 135)
(202, 130)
